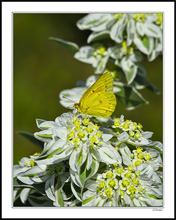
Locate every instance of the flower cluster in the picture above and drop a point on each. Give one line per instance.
(126, 185)
(85, 163)
(131, 37)
(142, 29)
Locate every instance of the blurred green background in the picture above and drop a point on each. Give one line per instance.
(43, 68)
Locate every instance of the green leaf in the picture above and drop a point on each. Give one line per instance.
(129, 68)
(76, 191)
(152, 30)
(85, 174)
(93, 169)
(45, 135)
(142, 81)
(88, 200)
(58, 149)
(42, 201)
(130, 75)
(145, 41)
(72, 47)
(94, 36)
(39, 188)
(144, 44)
(39, 121)
(36, 188)
(80, 158)
(60, 198)
(82, 172)
(151, 196)
(59, 195)
(156, 148)
(129, 96)
(31, 138)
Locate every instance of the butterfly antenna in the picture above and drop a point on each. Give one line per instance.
(67, 99)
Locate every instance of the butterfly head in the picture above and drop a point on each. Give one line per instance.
(76, 105)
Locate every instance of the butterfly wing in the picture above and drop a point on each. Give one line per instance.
(99, 99)
(101, 105)
(103, 84)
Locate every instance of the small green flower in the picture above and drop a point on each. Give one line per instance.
(135, 126)
(137, 163)
(135, 181)
(124, 44)
(58, 168)
(102, 50)
(93, 139)
(36, 154)
(51, 171)
(140, 156)
(70, 134)
(108, 192)
(130, 167)
(75, 141)
(32, 163)
(137, 173)
(86, 121)
(101, 186)
(159, 19)
(139, 126)
(136, 17)
(125, 126)
(112, 183)
(119, 171)
(77, 122)
(138, 149)
(141, 189)
(125, 182)
(137, 135)
(142, 17)
(117, 122)
(109, 175)
(131, 189)
(132, 133)
(90, 129)
(148, 156)
(99, 134)
(128, 175)
(81, 134)
(122, 193)
(132, 156)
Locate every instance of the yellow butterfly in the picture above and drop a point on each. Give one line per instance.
(98, 100)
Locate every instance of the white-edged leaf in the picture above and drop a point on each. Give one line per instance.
(94, 36)
(152, 30)
(49, 187)
(24, 195)
(123, 137)
(76, 191)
